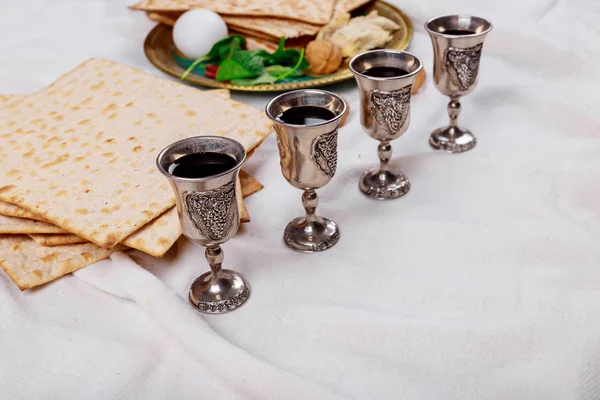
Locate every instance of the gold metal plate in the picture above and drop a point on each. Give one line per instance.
(159, 50)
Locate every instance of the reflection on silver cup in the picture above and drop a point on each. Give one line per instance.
(306, 123)
(203, 173)
(457, 45)
(385, 79)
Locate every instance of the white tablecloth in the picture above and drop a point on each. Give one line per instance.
(482, 283)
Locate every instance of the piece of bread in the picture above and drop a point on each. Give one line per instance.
(91, 140)
(310, 11)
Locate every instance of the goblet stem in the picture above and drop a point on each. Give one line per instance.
(311, 233)
(310, 201)
(381, 183)
(453, 112)
(214, 256)
(452, 138)
(220, 290)
(384, 151)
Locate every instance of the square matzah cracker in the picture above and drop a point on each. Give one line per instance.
(23, 225)
(273, 27)
(312, 11)
(51, 240)
(277, 28)
(10, 210)
(81, 153)
(29, 264)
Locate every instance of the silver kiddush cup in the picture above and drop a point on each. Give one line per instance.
(209, 216)
(457, 44)
(308, 156)
(385, 114)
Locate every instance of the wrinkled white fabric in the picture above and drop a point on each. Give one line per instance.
(482, 283)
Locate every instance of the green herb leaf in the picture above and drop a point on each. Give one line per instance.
(230, 69)
(260, 53)
(196, 63)
(286, 57)
(277, 70)
(264, 78)
(298, 63)
(250, 60)
(280, 49)
(251, 67)
(225, 47)
(221, 50)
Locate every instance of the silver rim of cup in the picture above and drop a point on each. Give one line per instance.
(162, 166)
(306, 93)
(480, 21)
(353, 62)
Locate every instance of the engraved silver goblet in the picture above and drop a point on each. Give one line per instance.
(308, 158)
(457, 44)
(385, 114)
(209, 216)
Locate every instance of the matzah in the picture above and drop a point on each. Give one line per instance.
(92, 138)
(247, 33)
(273, 27)
(311, 11)
(10, 210)
(6, 98)
(158, 236)
(260, 44)
(29, 264)
(24, 226)
(165, 18)
(349, 5)
(249, 184)
(155, 238)
(50, 240)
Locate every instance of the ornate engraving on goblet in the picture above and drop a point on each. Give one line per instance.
(308, 158)
(457, 45)
(385, 115)
(209, 217)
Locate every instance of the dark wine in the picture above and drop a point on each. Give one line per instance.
(458, 32)
(201, 165)
(305, 115)
(385, 72)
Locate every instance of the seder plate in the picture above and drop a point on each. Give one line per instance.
(160, 50)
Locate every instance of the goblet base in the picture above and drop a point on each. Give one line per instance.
(311, 236)
(452, 139)
(218, 296)
(383, 185)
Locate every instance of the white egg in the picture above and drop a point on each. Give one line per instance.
(197, 30)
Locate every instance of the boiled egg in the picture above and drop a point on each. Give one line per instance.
(197, 30)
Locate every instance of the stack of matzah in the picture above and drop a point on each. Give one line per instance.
(262, 22)
(77, 165)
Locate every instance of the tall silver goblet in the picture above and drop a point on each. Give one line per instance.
(385, 79)
(457, 44)
(308, 157)
(208, 212)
